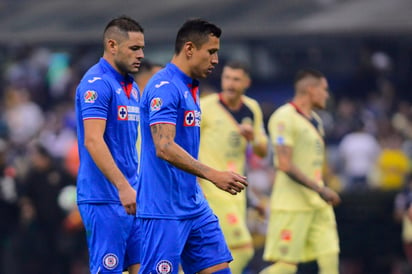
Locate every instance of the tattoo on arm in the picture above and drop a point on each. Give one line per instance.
(163, 137)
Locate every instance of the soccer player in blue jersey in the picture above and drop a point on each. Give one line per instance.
(107, 112)
(176, 221)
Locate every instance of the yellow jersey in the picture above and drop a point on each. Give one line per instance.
(224, 148)
(287, 126)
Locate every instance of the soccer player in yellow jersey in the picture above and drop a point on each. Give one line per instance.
(302, 225)
(230, 122)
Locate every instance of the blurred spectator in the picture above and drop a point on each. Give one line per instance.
(357, 152)
(58, 132)
(49, 192)
(24, 117)
(344, 119)
(392, 163)
(402, 119)
(9, 210)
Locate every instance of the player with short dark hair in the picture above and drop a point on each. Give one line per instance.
(231, 121)
(176, 220)
(107, 110)
(302, 225)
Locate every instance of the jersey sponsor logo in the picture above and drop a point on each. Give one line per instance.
(164, 267)
(94, 79)
(90, 96)
(128, 113)
(119, 90)
(156, 104)
(110, 261)
(162, 83)
(191, 118)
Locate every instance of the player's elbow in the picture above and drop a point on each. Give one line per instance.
(90, 143)
(284, 166)
(162, 151)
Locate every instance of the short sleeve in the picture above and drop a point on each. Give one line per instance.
(163, 100)
(281, 129)
(94, 96)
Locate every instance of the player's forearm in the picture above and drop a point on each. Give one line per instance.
(260, 149)
(177, 156)
(103, 159)
(299, 177)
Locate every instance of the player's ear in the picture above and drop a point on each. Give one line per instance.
(188, 48)
(111, 45)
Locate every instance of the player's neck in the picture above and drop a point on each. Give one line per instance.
(303, 106)
(182, 64)
(231, 103)
(113, 64)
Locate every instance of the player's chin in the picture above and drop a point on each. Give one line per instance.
(133, 69)
(205, 74)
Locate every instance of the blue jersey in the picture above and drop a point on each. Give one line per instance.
(103, 93)
(166, 191)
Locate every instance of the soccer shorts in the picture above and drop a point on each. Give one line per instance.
(231, 211)
(406, 229)
(112, 237)
(300, 236)
(232, 219)
(196, 243)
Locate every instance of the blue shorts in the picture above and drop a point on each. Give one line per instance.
(112, 237)
(196, 243)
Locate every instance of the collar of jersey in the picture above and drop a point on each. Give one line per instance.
(177, 72)
(107, 68)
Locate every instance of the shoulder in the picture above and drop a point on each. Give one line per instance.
(251, 103)
(160, 88)
(95, 78)
(285, 110)
(209, 99)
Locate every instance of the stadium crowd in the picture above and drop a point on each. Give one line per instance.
(369, 156)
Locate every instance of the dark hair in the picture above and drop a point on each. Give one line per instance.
(308, 72)
(238, 65)
(197, 31)
(124, 24)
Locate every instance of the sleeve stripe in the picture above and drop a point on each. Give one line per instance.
(96, 118)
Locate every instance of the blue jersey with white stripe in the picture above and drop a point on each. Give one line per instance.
(166, 191)
(105, 94)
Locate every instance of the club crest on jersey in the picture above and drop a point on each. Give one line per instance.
(110, 261)
(164, 267)
(191, 118)
(156, 104)
(122, 113)
(90, 96)
(232, 218)
(286, 235)
(128, 113)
